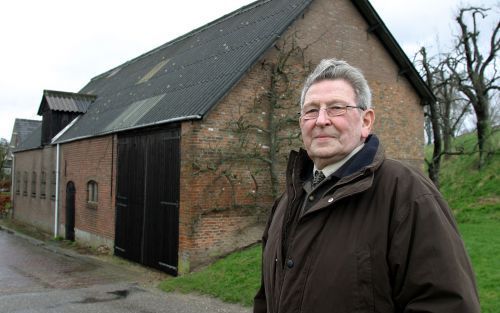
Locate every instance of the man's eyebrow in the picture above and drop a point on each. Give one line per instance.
(328, 104)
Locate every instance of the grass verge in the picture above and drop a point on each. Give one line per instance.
(473, 196)
(234, 278)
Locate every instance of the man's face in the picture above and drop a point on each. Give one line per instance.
(330, 139)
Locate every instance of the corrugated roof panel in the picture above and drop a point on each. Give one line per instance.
(135, 111)
(66, 101)
(153, 71)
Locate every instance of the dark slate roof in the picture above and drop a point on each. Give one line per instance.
(184, 78)
(65, 101)
(22, 130)
(33, 141)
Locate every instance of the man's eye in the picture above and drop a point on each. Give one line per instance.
(335, 108)
(312, 111)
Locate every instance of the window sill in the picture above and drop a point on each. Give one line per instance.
(92, 205)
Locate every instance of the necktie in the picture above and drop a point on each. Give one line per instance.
(318, 178)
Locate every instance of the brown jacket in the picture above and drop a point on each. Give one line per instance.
(376, 236)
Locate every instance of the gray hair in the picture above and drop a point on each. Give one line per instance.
(338, 69)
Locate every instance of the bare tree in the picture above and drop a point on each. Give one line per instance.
(4, 153)
(265, 130)
(478, 78)
(278, 100)
(444, 117)
(433, 116)
(453, 108)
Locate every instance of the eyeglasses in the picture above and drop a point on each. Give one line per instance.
(312, 114)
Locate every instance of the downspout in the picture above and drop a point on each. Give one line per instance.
(12, 183)
(56, 202)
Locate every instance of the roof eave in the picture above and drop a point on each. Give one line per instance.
(47, 92)
(172, 120)
(406, 67)
(27, 149)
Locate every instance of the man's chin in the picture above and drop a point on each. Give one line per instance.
(324, 151)
(324, 154)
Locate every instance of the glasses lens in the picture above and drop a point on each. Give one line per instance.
(335, 111)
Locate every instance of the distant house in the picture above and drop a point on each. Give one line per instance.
(21, 130)
(34, 179)
(174, 157)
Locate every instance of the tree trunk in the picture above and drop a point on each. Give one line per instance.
(273, 133)
(435, 163)
(483, 132)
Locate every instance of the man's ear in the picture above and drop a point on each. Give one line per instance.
(368, 120)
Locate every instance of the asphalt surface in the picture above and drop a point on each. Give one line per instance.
(39, 277)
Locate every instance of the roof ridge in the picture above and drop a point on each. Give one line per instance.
(26, 119)
(47, 92)
(187, 35)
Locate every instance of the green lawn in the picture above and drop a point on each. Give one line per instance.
(234, 278)
(473, 195)
(483, 244)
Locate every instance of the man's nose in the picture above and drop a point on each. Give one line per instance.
(323, 118)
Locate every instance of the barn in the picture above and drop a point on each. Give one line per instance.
(173, 158)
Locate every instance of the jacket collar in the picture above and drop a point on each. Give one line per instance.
(300, 166)
(359, 168)
(362, 159)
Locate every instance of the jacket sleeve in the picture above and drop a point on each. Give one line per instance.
(429, 266)
(260, 301)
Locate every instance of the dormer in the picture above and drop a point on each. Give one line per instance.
(59, 108)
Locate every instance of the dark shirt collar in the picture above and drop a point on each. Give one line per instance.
(361, 159)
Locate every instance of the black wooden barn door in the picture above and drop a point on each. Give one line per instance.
(130, 198)
(70, 211)
(147, 203)
(162, 201)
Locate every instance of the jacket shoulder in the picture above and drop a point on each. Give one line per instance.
(404, 186)
(406, 175)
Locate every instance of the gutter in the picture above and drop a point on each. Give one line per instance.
(172, 120)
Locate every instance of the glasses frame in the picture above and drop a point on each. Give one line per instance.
(330, 112)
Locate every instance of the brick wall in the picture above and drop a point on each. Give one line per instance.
(224, 202)
(34, 207)
(336, 29)
(83, 161)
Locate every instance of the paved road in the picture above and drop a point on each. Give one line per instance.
(37, 277)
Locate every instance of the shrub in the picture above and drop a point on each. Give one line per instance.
(4, 185)
(4, 204)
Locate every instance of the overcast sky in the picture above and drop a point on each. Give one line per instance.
(61, 45)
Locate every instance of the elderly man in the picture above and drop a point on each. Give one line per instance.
(354, 231)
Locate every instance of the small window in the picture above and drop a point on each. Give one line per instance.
(92, 191)
(53, 185)
(25, 183)
(18, 183)
(33, 184)
(43, 185)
